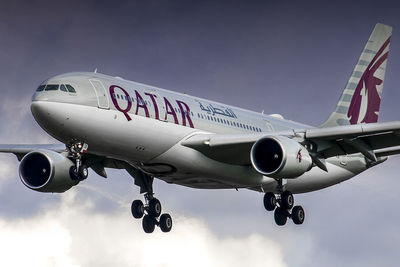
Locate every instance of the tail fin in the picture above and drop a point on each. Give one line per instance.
(361, 98)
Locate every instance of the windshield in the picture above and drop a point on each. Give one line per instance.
(40, 88)
(51, 87)
(54, 87)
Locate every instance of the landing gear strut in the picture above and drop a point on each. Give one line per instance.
(283, 203)
(150, 210)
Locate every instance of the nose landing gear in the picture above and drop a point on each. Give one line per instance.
(79, 171)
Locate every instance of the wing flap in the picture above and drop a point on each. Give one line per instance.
(370, 137)
(351, 131)
(387, 151)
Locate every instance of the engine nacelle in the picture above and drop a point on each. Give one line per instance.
(46, 171)
(280, 157)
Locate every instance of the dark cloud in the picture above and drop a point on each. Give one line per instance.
(284, 57)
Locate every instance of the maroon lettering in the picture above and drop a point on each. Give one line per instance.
(141, 104)
(185, 111)
(170, 110)
(153, 99)
(115, 102)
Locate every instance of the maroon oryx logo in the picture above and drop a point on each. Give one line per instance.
(369, 82)
(299, 157)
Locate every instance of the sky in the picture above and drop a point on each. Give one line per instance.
(286, 57)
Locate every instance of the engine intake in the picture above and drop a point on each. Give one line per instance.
(280, 157)
(46, 171)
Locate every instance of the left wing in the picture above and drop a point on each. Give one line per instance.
(372, 140)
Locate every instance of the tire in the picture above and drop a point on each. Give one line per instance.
(83, 172)
(287, 200)
(298, 215)
(154, 207)
(280, 216)
(165, 223)
(73, 173)
(269, 201)
(148, 224)
(137, 209)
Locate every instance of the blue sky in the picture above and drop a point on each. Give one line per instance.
(287, 57)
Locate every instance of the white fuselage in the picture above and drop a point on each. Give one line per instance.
(144, 126)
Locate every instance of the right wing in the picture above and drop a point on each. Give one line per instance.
(21, 150)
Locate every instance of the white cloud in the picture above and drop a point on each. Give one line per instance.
(8, 167)
(71, 234)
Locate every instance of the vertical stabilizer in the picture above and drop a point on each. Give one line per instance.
(361, 98)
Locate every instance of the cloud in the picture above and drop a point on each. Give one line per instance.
(71, 234)
(8, 167)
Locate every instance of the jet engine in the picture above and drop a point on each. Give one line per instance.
(280, 157)
(46, 171)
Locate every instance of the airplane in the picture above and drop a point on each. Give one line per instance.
(109, 122)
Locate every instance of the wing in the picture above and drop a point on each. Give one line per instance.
(20, 150)
(372, 140)
(96, 162)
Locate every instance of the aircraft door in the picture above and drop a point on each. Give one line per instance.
(268, 126)
(102, 98)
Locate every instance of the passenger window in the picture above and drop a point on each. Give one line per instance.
(63, 88)
(51, 87)
(40, 88)
(70, 88)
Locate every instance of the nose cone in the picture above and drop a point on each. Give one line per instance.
(37, 108)
(49, 116)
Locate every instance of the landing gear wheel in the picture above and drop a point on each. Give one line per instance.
(269, 201)
(154, 207)
(80, 174)
(165, 222)
(73, 173)
(148, 224)
(280, 216)
(298, 215)
(287, 200)
(137, 209)
(83, 172)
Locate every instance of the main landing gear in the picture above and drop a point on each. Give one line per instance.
(283, 203)
(151, 211)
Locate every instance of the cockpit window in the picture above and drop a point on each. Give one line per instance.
(51, 87)
(70, 88)
(40, 88)
(63, 88)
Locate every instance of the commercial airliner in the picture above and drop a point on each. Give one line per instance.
(109, 122)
